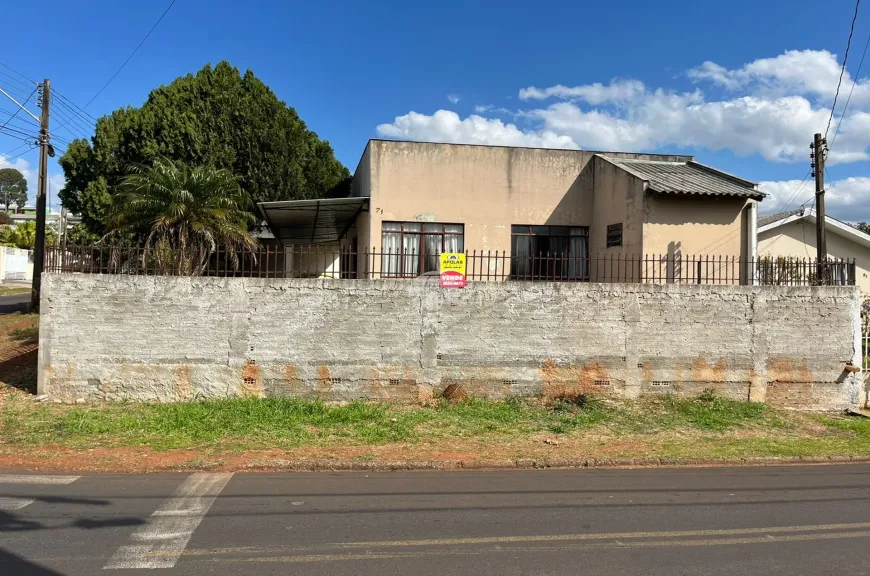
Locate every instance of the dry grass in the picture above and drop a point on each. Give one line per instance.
(12, 291)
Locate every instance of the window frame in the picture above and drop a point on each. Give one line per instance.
(423, 233)
(549, 272)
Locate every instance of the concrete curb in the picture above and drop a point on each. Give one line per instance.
(530, 464)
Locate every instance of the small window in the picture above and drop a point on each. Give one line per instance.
(614, 235)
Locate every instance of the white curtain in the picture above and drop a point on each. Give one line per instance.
(391, 239)
(411, 250)
(453, 238)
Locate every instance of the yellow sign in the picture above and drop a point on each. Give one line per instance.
(452, 270)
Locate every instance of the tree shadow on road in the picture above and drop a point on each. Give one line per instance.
(12, 564)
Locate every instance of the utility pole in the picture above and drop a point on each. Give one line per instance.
(44, 151)
(819, 147)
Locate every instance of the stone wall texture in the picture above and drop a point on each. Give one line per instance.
(168, 339)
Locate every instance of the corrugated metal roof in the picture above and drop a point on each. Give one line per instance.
(688, 178)
(771, 218)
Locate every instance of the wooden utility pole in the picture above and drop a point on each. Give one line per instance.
(39, 244)
(819, 145)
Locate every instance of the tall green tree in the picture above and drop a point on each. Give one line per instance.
(218, 118)
(13, 188)
(182, 214)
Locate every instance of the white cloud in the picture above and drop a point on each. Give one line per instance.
(447, 126)
(454, 98)
(813, 72)
(847, 199)
(483, 108)
(595, 94)
(771, 108)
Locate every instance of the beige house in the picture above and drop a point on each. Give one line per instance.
(413, 200)
(792, 234)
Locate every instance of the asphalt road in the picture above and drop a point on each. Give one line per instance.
(14, 303)
(794, 520)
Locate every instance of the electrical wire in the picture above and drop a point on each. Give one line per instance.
(7, 159)
(19, 109)
(6, 154)
(82, 113)
(77, 120)
(118, 71)
(26, 86)
(23, 118)
(843, 68)
(21, 126)
(32, 81)
(10, 131)
(8, 135)
(19, 93)
(849, 99)
(69, 122)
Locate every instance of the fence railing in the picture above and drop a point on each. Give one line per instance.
(481, 265)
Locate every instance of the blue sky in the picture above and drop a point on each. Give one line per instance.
(742, 85)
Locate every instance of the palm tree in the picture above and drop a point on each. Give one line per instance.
(183, 214)
(23, 235)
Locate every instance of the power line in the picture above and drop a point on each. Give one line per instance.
(18, 73)
(18, 125)
(82, 112)
(23, 118)
(19, 109)
(26, 85)
(15, 90)
(78, 118)
(784, 207)
(843, 68)
(9, 158)
(118, 71)
(9, 135)
(84, 130)
(7, 155)
(849, 99)
(9, 131)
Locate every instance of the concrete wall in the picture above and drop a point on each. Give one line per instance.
(798, 240)
(694, 225)
(164, 339)
(485, 188)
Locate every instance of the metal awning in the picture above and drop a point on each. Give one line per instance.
(312, 221)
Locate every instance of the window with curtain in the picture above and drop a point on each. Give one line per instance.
(412, 248)
(549, 252)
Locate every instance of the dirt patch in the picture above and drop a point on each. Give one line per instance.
(18, 352)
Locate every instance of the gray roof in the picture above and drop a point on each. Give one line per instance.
(771, 218)
(688, 178)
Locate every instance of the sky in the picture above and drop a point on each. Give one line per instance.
(741, 85)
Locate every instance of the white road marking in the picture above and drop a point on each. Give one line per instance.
(36, 479)
(14, 503)
(160, 542)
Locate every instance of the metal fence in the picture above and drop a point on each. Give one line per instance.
(319, 261)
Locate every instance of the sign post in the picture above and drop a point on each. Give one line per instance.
(452, 270)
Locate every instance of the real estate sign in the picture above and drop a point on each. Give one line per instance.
(452, 270)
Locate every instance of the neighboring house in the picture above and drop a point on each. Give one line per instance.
(51, 219)
(23, 210)
(792, 234)
(417, 199)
